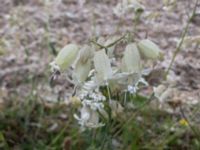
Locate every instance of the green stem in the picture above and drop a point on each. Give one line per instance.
(182, 39)
(109, 45)
(109, 95)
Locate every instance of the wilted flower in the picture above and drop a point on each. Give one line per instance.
(88, 118)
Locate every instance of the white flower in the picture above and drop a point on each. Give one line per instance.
(88, 118)
(132, 89)
(92, 103)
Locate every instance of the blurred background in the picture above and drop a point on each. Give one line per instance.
(33, 31)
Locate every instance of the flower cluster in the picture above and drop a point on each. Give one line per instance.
(97, 76)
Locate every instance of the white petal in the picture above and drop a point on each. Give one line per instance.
(85, 113)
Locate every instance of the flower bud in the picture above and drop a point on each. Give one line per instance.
(149, 49)
(66, 56)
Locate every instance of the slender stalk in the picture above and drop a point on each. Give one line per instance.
(178, 48)
(125, 97)
(109, 95)
(100, 45)
(113, 43)
(109, 45)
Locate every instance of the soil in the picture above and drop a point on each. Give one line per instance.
(31, 29)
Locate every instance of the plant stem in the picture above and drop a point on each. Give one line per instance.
(125, 97)
(109, 45)
(178, 48)
(109, 95)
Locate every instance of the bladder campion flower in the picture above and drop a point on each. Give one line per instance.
(98, 82)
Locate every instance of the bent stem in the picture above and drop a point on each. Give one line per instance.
(109, 45)
(182, 39)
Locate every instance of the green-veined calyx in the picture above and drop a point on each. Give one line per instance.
(83, 64)
(149, 49)
(65, 57)
(102, 66)
(131, 61)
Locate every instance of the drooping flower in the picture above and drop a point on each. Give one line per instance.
(83, 64)
(149, 50)
(131, 61)
(65, 57)
(102, 67)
